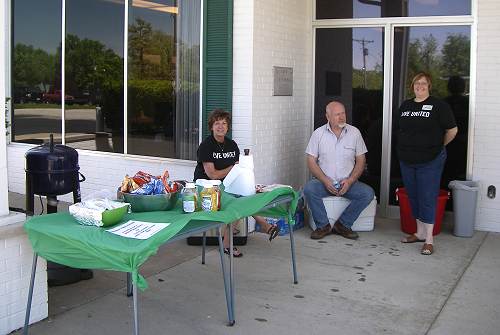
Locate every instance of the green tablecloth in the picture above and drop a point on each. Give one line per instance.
(59, 238)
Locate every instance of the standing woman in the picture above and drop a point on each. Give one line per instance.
(217, 155)
(425, 125)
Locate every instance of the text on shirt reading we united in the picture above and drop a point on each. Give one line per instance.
(219, 155)
(421, 113)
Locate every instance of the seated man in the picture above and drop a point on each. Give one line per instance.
(336, 159)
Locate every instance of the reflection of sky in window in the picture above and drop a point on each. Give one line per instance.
(439, 33)
(97, 20)
(161, 21)
(374, 37)
(415, 8)
(38, 23)
(375, 51)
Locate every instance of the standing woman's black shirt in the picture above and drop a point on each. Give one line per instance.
(421, 127)
(221, 154)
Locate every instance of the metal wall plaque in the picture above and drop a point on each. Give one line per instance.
(283, 81)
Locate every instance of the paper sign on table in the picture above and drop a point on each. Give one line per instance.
(138, 229)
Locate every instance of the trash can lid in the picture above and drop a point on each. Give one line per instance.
(465, 185)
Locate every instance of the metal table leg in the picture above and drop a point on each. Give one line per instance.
(136, 319)
(203, 245)
(226, 280)
(231, 271)
(30, 294)
(292, 246)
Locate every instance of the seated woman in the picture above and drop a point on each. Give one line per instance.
(217, 155)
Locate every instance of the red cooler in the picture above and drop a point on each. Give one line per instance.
(408, 222)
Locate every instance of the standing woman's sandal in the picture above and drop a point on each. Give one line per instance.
(273, 232)
(427, 249)
(411, 239)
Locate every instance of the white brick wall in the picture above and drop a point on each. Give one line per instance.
(486, 160)
(278, 33)
(243, 26)
(101, 170)
(279, 127)
(16, 258)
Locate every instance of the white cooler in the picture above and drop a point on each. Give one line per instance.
(336, 205)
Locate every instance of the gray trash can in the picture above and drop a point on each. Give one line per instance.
(464, 193)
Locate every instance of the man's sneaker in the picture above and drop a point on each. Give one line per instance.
(319, 233)
(340, 229)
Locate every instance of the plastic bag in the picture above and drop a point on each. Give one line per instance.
(90, 212)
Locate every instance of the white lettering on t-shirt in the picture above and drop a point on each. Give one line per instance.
(420, 113)
(417, 113)
(427, 107)
(221, 155)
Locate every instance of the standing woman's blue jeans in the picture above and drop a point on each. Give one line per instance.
(422, 186)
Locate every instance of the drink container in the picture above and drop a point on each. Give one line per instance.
(189, 198)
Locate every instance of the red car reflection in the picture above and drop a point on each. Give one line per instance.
(55, 97)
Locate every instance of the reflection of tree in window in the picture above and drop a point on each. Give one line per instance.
(32, 67)
(163, 78)
(453, 59)
(150, 52)
(456, 51)
(90, 66)
(151, 78)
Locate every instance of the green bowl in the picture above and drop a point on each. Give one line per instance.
(150, 203)
(113, 216)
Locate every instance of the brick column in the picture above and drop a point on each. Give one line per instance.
(4, 203)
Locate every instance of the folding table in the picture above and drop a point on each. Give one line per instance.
(59, 238)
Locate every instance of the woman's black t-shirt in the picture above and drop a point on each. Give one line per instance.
(421, 127)
(221, 154)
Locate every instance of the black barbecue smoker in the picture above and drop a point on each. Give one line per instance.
(52, 170)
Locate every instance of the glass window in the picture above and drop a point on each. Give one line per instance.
(355, 77)
(163, 58)
(163, 78)
(36, 71)
(348, 9)
(94, 74)
(444, 53)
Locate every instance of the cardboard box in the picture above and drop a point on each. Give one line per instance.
(336, 205)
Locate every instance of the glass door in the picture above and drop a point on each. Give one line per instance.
(444, 53)
(370, 71)
(349, 67)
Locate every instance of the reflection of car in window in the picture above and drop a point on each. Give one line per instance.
(25, 94)
(55, 97)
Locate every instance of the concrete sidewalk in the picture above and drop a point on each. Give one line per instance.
(375, 285)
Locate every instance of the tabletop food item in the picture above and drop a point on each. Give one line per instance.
(146, 192)
(189, 198)
(210, 194)
(99, 212)
(147, 184)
